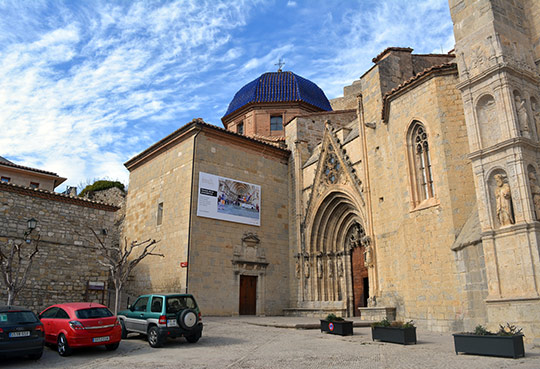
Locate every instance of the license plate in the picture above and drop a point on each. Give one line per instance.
(101, 339)
(19, 334)
(172, 323)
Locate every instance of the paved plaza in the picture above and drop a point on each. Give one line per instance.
(272, 342)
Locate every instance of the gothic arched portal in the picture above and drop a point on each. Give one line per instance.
(336, 255)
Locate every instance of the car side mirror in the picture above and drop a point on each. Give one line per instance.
(130, 307)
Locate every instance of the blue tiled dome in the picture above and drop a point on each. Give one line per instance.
(279, 87)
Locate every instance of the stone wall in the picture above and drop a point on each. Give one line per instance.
(220, 253)
(415, 264)
(165, 180)
(64, 265)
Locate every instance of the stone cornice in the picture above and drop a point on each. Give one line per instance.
(489, 72)
(515, 141)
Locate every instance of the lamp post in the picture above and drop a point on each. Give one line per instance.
(31, 225)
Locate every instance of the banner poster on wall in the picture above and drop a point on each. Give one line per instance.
(228, 199)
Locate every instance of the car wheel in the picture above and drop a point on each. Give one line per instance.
(188, 319)
(63, 347)
(193, 338)
(112, 346)
(124, 330)
(36, 356)
(154, 338)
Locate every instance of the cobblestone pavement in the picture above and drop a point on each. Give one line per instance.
(257, 343)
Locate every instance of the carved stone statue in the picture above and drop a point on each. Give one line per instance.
(535, 191)
(297, 269)
(330, 268)
(368, 257)
(536, 116)
(306, 268)
(319, 268)
(523, 116)
(503, 198)
(340, 267)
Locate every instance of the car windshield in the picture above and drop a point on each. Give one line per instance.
(179, 303)
(91, 313)
(17, 317)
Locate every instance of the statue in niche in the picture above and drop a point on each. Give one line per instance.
(368, 257)
(297, 269)
(523, 116)
(503, 198)
(306, 268)
(535, 191)
(536, 115)
(319, 268)
(330, 268)
(340, 267)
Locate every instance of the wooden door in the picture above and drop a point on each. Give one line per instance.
(248, 295)
(360, 283)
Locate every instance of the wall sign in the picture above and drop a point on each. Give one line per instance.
(228, 199)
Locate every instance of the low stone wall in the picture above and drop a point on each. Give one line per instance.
(65, 263)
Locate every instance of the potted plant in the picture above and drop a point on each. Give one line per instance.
(507, 342)
(336, 325)
(395, 332)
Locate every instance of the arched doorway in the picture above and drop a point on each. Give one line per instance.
(334, 256)
(356, 243)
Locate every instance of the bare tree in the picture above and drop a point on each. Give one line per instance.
(120, 261)
(15, 264)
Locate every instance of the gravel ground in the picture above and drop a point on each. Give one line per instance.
(255, 343)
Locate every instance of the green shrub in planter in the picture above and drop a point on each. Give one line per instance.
(395, 332)
(507, 342)
(336, 325)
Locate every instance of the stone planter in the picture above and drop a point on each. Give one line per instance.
(341, 327)
(505, 346)
(394, 334)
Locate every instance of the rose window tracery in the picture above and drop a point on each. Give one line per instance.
(331, 168)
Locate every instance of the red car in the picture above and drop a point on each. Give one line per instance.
(80, 324)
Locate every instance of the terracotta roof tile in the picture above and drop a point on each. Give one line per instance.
(41, 193)
(388, 49)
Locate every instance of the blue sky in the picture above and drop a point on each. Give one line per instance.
(86, 85)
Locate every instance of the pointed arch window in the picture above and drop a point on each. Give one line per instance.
(423, 175)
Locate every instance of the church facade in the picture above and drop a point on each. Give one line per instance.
(415, 192)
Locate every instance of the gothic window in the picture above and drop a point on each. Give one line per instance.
(276, 123)
(422, 176)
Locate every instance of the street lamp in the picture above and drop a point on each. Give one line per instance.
(31, 225)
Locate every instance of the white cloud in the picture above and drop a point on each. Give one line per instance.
(69, 92)
(86, 85)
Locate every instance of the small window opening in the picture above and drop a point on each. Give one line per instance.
(276, 123)
(160, 213)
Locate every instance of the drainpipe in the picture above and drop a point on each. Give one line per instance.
(367, 190)
(190, 222)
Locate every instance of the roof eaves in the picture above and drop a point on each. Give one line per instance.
(37, 192)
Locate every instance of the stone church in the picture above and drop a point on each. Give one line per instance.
(414, 194)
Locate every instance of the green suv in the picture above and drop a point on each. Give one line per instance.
(159, 316)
